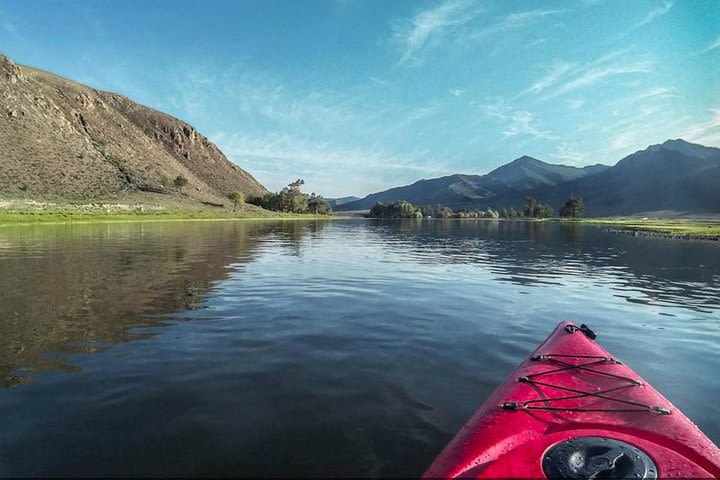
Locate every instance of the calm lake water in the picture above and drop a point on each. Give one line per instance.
(348, 348)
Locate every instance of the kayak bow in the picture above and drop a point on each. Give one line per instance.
(571, 410)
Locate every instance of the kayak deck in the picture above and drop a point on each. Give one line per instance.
(570, 388)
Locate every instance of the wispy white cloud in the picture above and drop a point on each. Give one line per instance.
(513, 21)
(707, 131)
(656, 92)
(569, 154)
(278, 158)
(593, 75)
(560, 70)
(652, 15)
(633, 129)
(556, 72)
(516, 122)
(712, 46)
(413, 35)
(521, 122)
(519, 19)
(596, 74)
(635, 107)
(456, 92)
(624, 141)
(611, 55)
(576, 104)
(536, 43)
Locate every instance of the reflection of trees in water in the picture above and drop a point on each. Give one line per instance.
(288, 235)
(674, 272)
(73, 288)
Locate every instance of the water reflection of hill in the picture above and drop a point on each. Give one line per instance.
(669, 272)
(74, 288)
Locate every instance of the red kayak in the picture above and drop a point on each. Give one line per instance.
(571, 410)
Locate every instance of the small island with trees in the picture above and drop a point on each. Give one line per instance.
(573, 208)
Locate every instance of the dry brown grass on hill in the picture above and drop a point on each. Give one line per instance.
(59, 138)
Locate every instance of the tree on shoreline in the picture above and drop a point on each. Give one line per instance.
(291, 200)
(535, 209)
(318, 205)
(573, 208)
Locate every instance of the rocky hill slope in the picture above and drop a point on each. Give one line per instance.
(59, 138)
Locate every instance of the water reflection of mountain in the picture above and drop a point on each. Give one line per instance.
(75, 288)
(678, 273)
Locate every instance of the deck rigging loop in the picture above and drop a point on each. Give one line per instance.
(590, 361)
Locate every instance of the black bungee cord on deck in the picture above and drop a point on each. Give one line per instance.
(565, 366)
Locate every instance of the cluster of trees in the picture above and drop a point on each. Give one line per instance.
(535, 209)
(399, 209)
(405, 209)
(291, 200)
(445, 212)
(574, 207)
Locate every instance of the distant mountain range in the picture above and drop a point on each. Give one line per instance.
(674, 176)
(336, 202)
(59, 138)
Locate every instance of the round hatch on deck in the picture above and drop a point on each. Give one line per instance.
(596, 458)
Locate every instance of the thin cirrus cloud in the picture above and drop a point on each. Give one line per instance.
(592, 76)
(562, 69)
(516, 122)
(513, 21)
(551, 78)
(426, 26)
(576, 104)
(706, 132)
(712, 46)
(650, 17)
(564, 77)
(278, 158)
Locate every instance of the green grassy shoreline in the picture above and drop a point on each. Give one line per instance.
(59, 217)
(71, 213)
(671, 228)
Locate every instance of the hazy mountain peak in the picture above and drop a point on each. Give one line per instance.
(526, 159)
(686, 148)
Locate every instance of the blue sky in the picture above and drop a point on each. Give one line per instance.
(356, 96)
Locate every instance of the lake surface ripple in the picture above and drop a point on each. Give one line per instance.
(341, 348)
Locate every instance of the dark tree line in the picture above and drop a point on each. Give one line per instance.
(438, 211)
(291, 200)
(574, 207)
